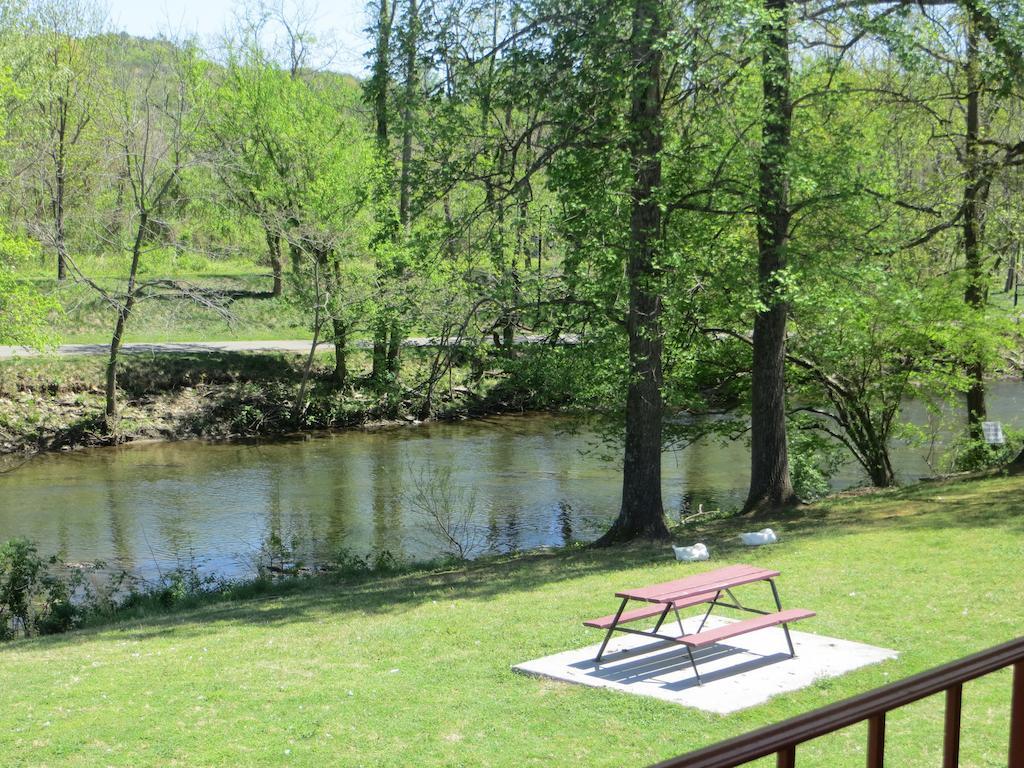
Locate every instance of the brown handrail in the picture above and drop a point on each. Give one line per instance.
(782, 738)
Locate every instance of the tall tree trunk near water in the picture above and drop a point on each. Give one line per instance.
(410, 40)
(410, 93)
(975, 293)
(110, 389)
(642, 514)
(770, 484)
(377, 89)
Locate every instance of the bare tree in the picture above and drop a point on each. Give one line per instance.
(154, 131)
(447, 510)
(64, 99)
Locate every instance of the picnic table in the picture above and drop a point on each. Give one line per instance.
(708, 589)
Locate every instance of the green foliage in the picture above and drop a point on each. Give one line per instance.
(34, 598)
(379, 562)
(813, 460)
(971, 455)
(514, 161)
(309, 642)
(544, 376)
(26, 315)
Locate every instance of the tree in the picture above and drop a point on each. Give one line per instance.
(155, 126)
(770, 485)
(377, 91)
(642, 512)
(63, 101)
(25, 313)
(289, 142)
(237, 148)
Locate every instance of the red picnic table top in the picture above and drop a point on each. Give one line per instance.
(709, 581)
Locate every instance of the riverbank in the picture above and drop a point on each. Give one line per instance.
(341, 671)
(56, 403)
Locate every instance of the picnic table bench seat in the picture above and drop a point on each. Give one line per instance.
(654, 609)
(710, 636)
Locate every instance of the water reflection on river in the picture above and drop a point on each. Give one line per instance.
(534, 482)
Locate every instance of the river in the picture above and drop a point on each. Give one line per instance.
(501, 484)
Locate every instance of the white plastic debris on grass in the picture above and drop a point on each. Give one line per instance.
(691, 554)
(759, 538)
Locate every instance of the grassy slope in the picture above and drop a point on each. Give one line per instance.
(415, 670)
(50, 402)
(88, 320)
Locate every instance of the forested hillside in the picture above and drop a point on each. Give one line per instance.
(791, 214)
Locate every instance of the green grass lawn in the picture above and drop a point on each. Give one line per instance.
(414, 670)
(87, 319)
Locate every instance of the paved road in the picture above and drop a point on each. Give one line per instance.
(167, 347)
(194, 347)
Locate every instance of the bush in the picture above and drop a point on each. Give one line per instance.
(32, 596)
(542, 376)
(813, 460)
(376, 562)
(971, 455)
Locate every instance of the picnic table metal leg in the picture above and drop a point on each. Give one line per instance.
(785, 627)
(664, 615)
(711, 606)
(736, 602)
(679, 620)
(611, 629)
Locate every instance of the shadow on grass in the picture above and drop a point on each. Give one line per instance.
(973, 504)
(298, 601)
(151, 374)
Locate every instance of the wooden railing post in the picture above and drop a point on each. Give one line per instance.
(787, 758)
(951, 739)
(1017, 718)
(876, 741)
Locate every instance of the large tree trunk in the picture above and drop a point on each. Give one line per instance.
(394, 350)
(642, 514)
(410, 43)
(379, 84)
(974, 295)
(339, 327)
(380, 352)
(880, 469)
(59, 236)
(110, 389)
(770, 485)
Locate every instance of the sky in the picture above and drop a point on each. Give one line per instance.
(341, 21)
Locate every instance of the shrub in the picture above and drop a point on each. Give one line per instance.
(813, 460)
(543, 376)
(971, 455)
(380, 562)
(33, 596)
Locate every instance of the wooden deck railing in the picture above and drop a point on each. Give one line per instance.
(783, 738)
